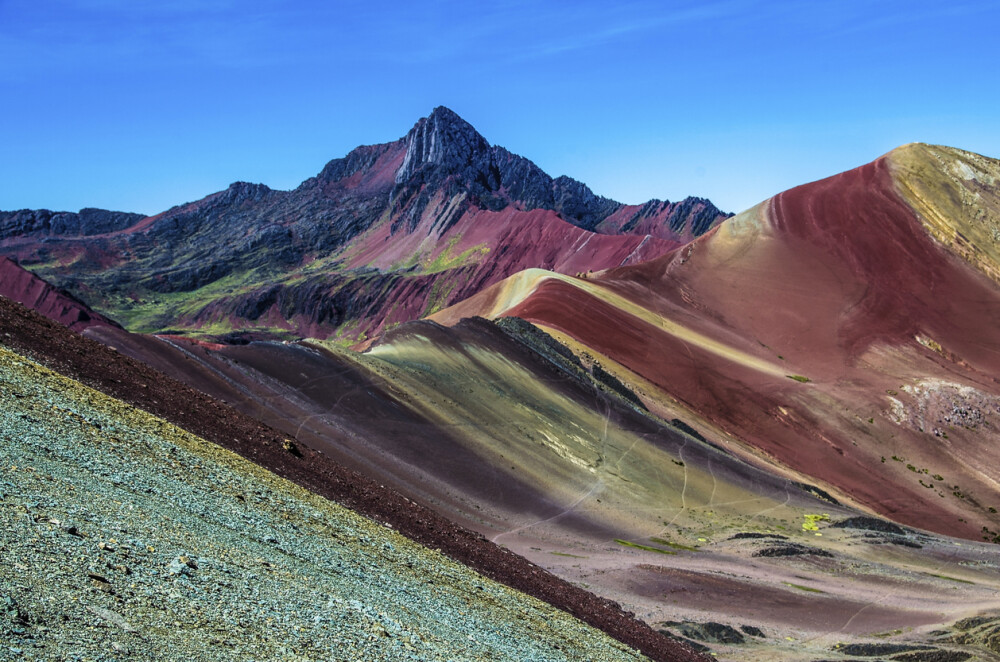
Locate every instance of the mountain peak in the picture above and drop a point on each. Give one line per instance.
(442, 139)
(445, 114)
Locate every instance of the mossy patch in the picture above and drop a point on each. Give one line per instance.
(812, 521)
(447, 259)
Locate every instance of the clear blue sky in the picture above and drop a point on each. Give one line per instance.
(141, 104)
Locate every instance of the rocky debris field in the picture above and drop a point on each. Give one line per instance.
(124, 537)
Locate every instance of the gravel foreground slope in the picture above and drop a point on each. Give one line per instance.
(124, 537)
(101, 367)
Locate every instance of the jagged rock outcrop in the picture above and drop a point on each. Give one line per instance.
(42, 222)
(411, 199)
(446, 141)
(445, 147)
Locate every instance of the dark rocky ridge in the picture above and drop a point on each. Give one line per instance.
(443, 146)
(44, 223)
(256, 236)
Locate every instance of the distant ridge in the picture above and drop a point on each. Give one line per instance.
(383, 235)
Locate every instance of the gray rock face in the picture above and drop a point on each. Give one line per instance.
(446, 140)
(241, 193)
(359, 160)
(252, 228)
(575, 200)
(445, 150)
(42, 222)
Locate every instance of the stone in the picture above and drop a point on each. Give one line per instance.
(111, 617)
(12, 611)
(182, 565)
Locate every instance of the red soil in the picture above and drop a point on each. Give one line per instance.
(515, 240)
(740, 400)
(655, 223)
(837, 284)
(381, 175)
(24, 287)
(750, 601)
(912, 283)
(503, 243)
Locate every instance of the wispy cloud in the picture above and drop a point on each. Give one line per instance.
(110, 35)
(512, 31)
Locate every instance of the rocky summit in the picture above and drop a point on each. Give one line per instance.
(382, 236)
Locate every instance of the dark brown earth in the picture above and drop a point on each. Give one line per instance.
(108, 371)
(328, 404)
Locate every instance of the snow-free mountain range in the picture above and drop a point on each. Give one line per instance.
(769, 436)
(384, 235)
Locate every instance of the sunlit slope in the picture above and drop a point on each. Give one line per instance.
(515, 291)
(955, 195)
(825, 331)
(603, 463)
(133, 509)
(550, 456)
(652, 516)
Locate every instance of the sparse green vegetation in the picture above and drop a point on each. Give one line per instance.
(446, 260)
(437, 298)
(951, 579)
(812, 521)
(803, 588)
(647, 548)
(675, 545)
(799, 378)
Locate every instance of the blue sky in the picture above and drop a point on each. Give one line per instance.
(138, 105)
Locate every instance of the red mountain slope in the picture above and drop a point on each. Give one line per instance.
(24, 287)
(825, 331)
